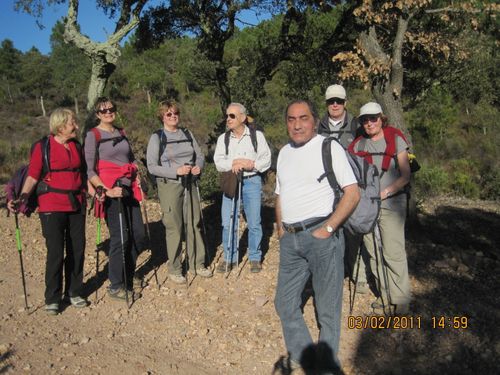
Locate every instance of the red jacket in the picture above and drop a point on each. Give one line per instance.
(60, 158)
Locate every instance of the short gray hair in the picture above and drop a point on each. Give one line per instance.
(242, 108)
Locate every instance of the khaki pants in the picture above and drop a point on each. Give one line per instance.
(174, 215)
(391, 224)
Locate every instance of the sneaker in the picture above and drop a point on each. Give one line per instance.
(52, 308)
(225, 266)
(120, 295)
(255, 266)
(204, 272)
(78, 302)
(178, 279)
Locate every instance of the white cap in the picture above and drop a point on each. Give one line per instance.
(370, 108)
(335, 91)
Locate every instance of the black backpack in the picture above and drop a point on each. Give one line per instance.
(364, 217)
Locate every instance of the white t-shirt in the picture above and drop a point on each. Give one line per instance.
(301, 195)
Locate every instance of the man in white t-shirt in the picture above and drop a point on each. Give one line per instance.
(311, 238)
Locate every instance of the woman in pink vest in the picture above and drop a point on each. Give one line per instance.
(112, 171)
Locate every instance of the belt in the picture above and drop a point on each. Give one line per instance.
(301, 225)
(250, 176)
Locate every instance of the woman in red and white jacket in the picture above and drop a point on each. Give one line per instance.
(56, 171)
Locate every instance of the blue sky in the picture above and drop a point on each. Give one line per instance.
(22, 29)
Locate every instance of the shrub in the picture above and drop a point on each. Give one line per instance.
(209, 183)
(432, 180)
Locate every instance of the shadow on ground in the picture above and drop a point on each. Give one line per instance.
(453, 254)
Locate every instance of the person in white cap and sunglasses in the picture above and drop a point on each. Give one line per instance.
(344, 127)
(337, 122)
(387, 148)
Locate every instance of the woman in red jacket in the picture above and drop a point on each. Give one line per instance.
(55, 170)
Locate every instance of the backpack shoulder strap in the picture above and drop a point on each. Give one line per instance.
(326, 156)
(187, 133)
(253, 137)
(97, 135)
(45, 148)
(162, 143)
(390, 134)
(227, 136)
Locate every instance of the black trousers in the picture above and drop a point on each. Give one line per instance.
(63, 229)
(133, 239)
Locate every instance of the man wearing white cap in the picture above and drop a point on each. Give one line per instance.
(338, 123)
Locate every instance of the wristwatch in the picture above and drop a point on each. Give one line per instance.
(329, 229)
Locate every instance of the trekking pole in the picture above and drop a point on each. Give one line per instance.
(231, 235)
(97, 248)
(379, 257)
(98, 193)
(240, 183)
(148, 233)
(355, 280)
(184, 181)
(20, 252)
(120, 217)
(205, 236)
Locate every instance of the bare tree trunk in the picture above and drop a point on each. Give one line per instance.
(148, 95)
(44, 112)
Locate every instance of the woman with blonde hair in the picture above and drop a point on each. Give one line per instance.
(56, 171)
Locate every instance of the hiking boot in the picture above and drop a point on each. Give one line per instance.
(255, 266)
(362, 287)
(178, 279)
(52, 308)
(78, 302)
(222, 267)
(120, 294)
(204, 272)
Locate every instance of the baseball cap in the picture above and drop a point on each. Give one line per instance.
(335, 91)
(370, 108)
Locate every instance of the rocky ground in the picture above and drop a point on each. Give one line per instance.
(229, 325)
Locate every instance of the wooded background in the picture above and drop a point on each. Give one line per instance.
(433, 65)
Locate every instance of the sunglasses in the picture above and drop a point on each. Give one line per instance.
(365, 119)
(231, 116)
(335, 101)
(107, 110)
(170, 114)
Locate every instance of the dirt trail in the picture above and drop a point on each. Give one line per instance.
(229, 325)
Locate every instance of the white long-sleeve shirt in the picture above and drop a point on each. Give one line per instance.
(242, 148)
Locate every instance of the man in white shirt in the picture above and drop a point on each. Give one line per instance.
(252, 158)
(311, 238)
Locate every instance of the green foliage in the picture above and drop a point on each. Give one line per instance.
(432, 180)
(209, 182)
(464, 178)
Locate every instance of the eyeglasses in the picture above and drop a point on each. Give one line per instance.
(107, 110)
(231, 116)
(170, 114)
(335, 101)
(365, 119)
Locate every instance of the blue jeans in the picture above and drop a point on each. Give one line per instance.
(302, 255)
(251, 199)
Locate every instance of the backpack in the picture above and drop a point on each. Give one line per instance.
(162, 137)
(364, 217)
(115, 140)
(389, 153)
(15, 184)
